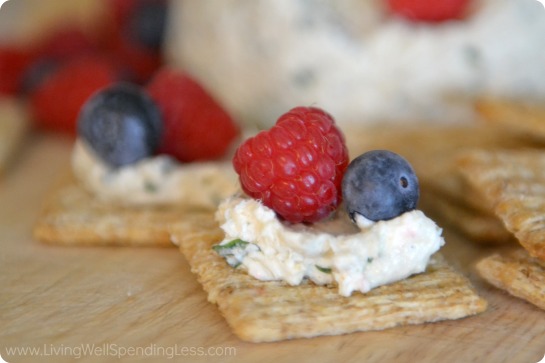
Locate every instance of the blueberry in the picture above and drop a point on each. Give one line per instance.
(36, 73)
(147, 23)
(121, 123)
(380, 185)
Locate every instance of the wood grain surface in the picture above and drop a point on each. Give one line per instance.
(143, 304)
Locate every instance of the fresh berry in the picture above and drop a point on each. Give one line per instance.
(147, 22)
(65, 43)
(196, 127)
(55, 102)
(134, 35)
(429, 11)
(296, 167)
(380, 185)
(36, 73)
(50, 53)
(139, 63)
(121, 124)
(140, 21)
(13, 62)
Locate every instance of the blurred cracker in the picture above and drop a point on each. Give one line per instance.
(517, 115)
(451, 187)
(72, 216)
(433, 152)
(513, 182)
(14, 125)
(482, 227)
(263, 311)
(517, 273)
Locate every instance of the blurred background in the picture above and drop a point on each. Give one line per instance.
(364, 61)
(54, 54)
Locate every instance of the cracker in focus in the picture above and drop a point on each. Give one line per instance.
(264, 311)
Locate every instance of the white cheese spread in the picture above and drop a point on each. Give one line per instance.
(159, 180)
(351, 58)
(353, 257)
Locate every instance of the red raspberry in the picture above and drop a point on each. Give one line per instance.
(296, 167)
(65, 43)
(13, 62)
(429, 11)
(195, 125)
(55, 102)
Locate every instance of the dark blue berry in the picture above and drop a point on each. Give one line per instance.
(380, 185)
(121, 124)
(147, 23)
(36, 73)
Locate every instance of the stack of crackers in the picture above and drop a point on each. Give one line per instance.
(512, 184)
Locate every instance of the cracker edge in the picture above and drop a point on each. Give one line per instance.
(481, 228)
(517, 273)
(87, 222)
(471, 163)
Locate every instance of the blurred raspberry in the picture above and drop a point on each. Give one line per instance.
(13, 63)
(55, 102)
(195, 125)
(65, 43)
(429, 11)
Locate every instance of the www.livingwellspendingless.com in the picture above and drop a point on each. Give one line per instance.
(115, 350)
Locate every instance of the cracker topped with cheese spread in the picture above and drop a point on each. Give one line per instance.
(311, 232)
(142, 160)
(263, 311)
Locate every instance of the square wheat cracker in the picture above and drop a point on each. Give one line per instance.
(264, 311)
(72, 216)
(513, 182)
(517, 273)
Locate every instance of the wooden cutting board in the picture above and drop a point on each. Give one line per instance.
(145, 304)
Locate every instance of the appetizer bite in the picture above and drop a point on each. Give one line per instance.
(291, 228)
(314, 245)
(143, 158)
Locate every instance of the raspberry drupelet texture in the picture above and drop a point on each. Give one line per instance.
(296, 167)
